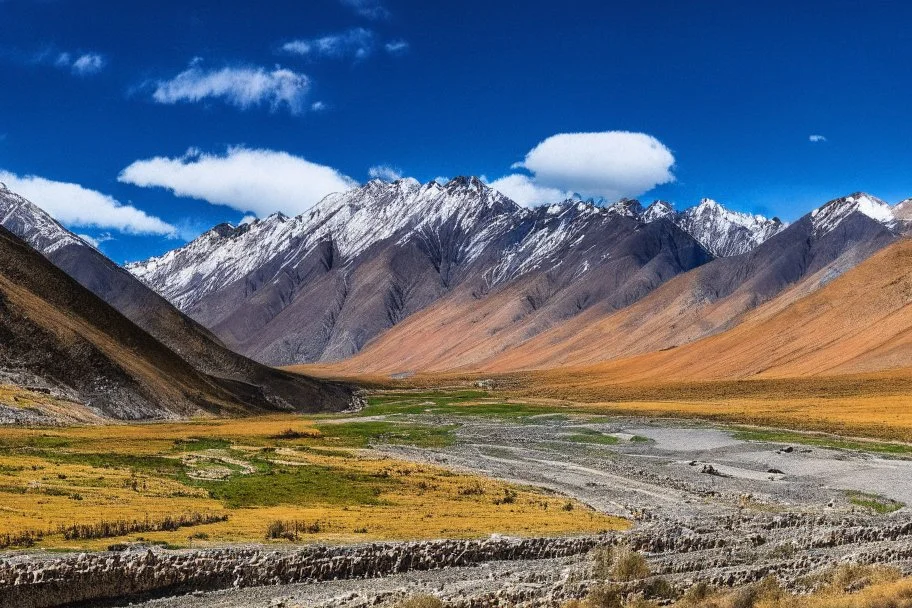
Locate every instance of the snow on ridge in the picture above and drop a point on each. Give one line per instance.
(353, 220)
(34, 225)
(827, 217)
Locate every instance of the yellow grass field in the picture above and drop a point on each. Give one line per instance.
(255, 471)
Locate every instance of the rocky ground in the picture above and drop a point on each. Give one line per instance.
(707, 506)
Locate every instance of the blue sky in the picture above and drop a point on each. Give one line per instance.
(246, 103)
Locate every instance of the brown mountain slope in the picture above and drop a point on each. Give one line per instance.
(461, 333)
(57, 335)
(860, 322)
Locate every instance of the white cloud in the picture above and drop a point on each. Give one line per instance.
(396, 47)
(318, 106)
(385, 172)
(81, 65)
(357, 43)
(369, 9)
(817, 138)
(241, 87)
(249, 180)
(247, 219)
(96, 241)
(523, 190)
(73, 205)
(609, 164)
(90, 63)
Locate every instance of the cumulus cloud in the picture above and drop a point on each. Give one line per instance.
(242, 87)
(83, 64)
(817, 138)
(369, 9)
(523, 190)
(75, 206)
(396, 47)
(248, 180)
(385, 172)
(356, 43)
(608, 164)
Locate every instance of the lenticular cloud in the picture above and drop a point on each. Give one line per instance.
(609, 164)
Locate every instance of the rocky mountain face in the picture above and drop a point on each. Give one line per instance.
(258, 386)
(59, 339)
(712, 300)
(320, 286)
(723, 232)
(423, 258)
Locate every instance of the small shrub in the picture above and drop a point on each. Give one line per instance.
(420, 601)
(476, 489)
(568, 506)
(23, 539)
(699, 592)
(290, 530)
(291, 434)
(603, 596)
(659, 588)
(629, 566)
(508, 498)
(854, 577)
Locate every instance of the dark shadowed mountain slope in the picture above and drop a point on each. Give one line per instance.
(59, 336)
(265, 387)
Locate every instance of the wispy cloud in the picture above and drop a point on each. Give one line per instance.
(396, 47)
(356, 43)
(242, 87)
(385, 172)
(78, 64)
(369, 9)
(248, 180)
(76, 206)
(817, 138)
(90, 63)
(97, 240)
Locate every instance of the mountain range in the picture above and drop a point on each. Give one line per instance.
(402, 277)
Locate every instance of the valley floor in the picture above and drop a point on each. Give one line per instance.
(709, 502)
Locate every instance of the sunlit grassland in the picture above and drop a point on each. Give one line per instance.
(319, 471)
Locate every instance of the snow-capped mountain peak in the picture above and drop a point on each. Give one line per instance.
(724, 232)
(902, 211)
(627, 207)
(831, 214)
(657, 210)
(22, 217)
(353, 220)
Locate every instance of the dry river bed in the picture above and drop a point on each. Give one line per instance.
(707, 506)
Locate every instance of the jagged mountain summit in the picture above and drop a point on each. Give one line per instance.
(322, 285)
(713, 298)
(724, 232)
(319, 286)
(248, 382)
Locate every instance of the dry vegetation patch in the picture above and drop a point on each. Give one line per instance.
(281, 477)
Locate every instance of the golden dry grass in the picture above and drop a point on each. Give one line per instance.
(58, 477)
